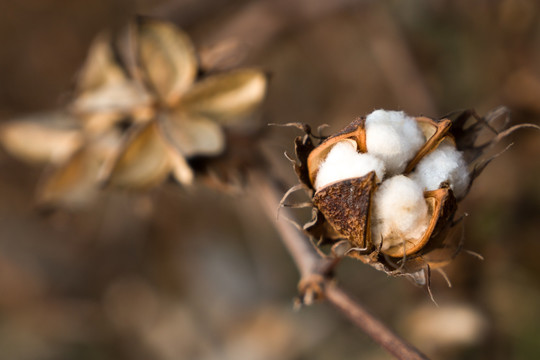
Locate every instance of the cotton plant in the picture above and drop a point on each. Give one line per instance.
(139, 112)
(385, 189)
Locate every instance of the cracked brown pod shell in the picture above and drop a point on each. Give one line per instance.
(347, 204)
(342, 210)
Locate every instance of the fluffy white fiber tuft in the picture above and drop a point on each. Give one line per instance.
(445, 163)
(344, 162)
(399, 212)
(393, 137)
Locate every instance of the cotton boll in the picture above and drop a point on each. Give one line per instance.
(445, 163)
(399, 212)
(393, 137)
(344, 162)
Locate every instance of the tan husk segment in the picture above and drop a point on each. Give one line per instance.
(168, 58)
(228, 97)
(435, 133)
(50, 137)
(71, 182)
(440, 202)
(354, 131)
(143, 159)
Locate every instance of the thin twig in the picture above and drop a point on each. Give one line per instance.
(379, 332)
(312, 269)
(303, 253)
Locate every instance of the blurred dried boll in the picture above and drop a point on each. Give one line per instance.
(385, 189)
(140, 112)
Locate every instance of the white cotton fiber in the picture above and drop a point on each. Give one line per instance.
(445, 163)
(393, 137)
(344, 162)
(399, 212)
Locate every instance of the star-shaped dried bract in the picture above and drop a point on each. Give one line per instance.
(138, 114)
(189, 116)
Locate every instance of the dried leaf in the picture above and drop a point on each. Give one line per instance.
(227, 98)
(142, 162)
(50, 137)
(168, 58)
(103, 85)
(100, 67)
(72, 184)
(122, 97)
(192, 134)
(75, 182)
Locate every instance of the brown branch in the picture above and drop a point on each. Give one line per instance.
(303, 253)
(370, 324)
(315, 281)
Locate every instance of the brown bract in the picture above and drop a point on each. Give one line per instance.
(345, 205)
(342, 210)
(354, 131)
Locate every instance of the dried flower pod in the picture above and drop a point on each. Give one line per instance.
(191, 115)
(141, 112)
(390, 187)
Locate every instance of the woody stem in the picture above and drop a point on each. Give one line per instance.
(312, 267)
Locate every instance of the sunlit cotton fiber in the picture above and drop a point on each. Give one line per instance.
(393, 137)
(344, 162)
(400, 212)
(445, 163)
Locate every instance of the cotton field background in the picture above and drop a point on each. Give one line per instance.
(176, 273)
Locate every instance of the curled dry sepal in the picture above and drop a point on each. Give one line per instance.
(141, 110)
(385, 189)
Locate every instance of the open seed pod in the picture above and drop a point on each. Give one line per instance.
(347, 204)
(386, 187)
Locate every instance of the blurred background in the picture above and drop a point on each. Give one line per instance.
(177, 274)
